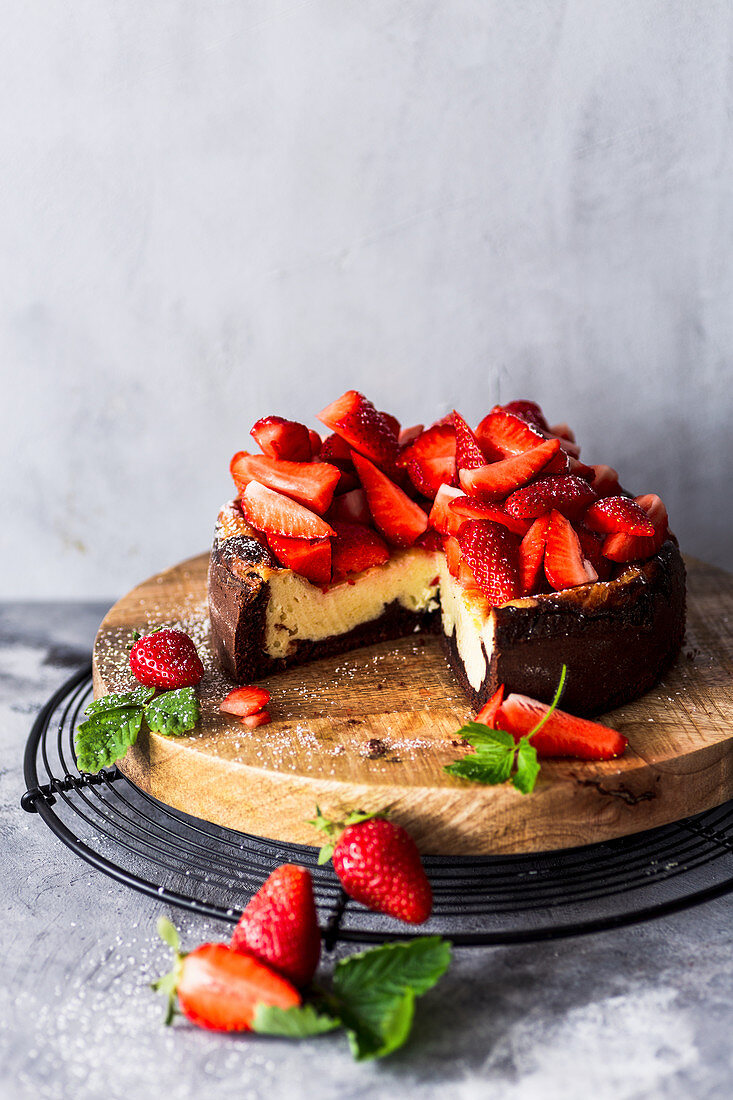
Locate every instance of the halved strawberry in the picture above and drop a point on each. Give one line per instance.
(490, 709)
(399, 519)
(565, 564)
(367, 431)
(565, 493)
(407, 435)
(469, 455)
(623, 548)
(351, 507)
(311, 558)
(428, 474)
(529, 411)
(310, 483)
(441, 517)
(356, 548)
(438, 441)
(532, 555)
(502, 434)
(244, 701)
(276, 514)
(562, 734)
(280, 438)
(261, 718)
(492, 553)
(502, 477)
(465, 508)
(618, 514)
(452, 555)
(605, 481)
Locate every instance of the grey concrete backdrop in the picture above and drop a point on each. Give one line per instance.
(211, 211)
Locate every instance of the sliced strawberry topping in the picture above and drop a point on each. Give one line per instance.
(502, 434)
(430, 540)
(592, 546)
(490, 709)
(532, 555)
(316, 443)
(452, 555)
(623, 548)
(442, 517)
(618, 514)
(351, 507)
(562, 734)
(311, 558)
(407, 435)
(439, 441)
(367, 431)
(529, 411)
(469, 455)
(492, 553)
(276, 514)
(469, 508)
(245, 700)
(310, 483)
(605, 481)
(392, 423)
(565, 564)
(502, 477)
(467, 578)
(280, 438)
(356, 548)
(565, 493)
(428, 474)
(252, 721)
(399, 519)
(336, 450)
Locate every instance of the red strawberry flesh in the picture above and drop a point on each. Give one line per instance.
(220, 989)
(356, 548)
(491, 552)
(499, 478)
(280, 438)
(310, 558)
(310, 483)
(400, 519)
(166, 659)
(566, 566)
(379, 865)
(618, 515)
(563, 734)
(245, 700)
(277, 514)
(565, 493)
(365, 429)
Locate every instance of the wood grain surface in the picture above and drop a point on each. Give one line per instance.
(373, 730)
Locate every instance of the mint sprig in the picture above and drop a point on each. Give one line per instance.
(115, 720)
(498, 757)
(373, 998)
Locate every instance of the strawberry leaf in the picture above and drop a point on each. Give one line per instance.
(296, 1022)
(106, 737)
(173, 713)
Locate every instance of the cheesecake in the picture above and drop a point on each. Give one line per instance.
(497, 539)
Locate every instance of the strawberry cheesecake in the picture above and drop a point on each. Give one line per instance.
(498, 538)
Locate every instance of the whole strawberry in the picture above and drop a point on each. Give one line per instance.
(279, 925)
(379, 865)
(166, 659)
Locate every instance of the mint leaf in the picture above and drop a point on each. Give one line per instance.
(483, 737)
(117, 700)
(295, 1023)
(106, 737)
(173, 713)
(494, 757)
(528, 768)
(376, 990)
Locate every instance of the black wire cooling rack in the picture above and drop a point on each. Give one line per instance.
(195, 865)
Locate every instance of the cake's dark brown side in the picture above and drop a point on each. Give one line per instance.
(616, 639)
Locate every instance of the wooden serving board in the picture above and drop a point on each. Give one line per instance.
(373, 730)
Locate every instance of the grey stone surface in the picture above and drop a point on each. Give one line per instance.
(645, 1012)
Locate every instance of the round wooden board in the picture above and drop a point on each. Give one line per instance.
(373, 730)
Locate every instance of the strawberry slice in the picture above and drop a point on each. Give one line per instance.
(276, 514)
(407, 435)
(452, 555)
(565, 493)
(310, 558)
(605, 481)
(244, 701)
(442, 518)
(529, 411)
(337, 451)
(356, 548)
(467, 578)
(428, 474)
(490, 709)
(310, 483)
(565, 564)
(592, 546)
(562, 734)
(438, 441)
(623, 548)
(399, 519)
(492, 553)
(351, 507)
(532, 555)
(618, 514)
(252, 721)
(430, 540)
(502, 477)
(367, 431)
(280, 438)
(502, 434)
(392, 423)
(469, 455)
(316, 443)
(468, 508)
